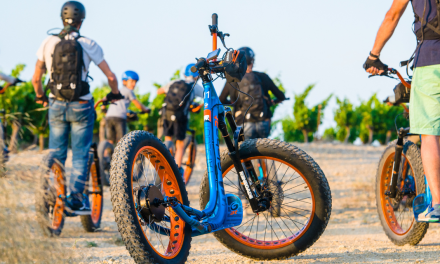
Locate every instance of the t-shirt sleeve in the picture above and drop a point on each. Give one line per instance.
(93, 50)
(6, 78)
(40, 51)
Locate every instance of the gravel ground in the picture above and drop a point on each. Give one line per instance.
(353, 235)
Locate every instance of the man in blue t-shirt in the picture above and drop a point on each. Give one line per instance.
(425, 91)
(116, 117)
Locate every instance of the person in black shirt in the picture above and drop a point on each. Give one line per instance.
(257, 85)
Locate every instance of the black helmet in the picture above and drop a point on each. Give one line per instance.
(73, 12)
(249, 54)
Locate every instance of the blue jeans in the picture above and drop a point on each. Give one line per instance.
(256, 129)
(77, 118)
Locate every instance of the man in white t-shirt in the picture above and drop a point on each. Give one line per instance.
(74, 113)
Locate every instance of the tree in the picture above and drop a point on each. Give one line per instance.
(346, 119)
(305, 119)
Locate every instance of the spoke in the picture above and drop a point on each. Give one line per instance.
(294, 187)
(250, 230)
(284, 173)
(280, 226)
(258, 221)
(300, 200)
(291, 219)
(290, 180)
(296, 213)
(271, 229)
(286, 225)
(295, 193)
(296, 208)
(246, 222)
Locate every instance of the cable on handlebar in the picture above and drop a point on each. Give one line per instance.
(186, 96)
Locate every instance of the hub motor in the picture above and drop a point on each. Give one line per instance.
(148, 201)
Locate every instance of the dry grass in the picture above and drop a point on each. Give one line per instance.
(21, 240)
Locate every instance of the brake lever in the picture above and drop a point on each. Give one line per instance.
(222, 38)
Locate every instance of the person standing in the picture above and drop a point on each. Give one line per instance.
(424, 106)
(67, 57)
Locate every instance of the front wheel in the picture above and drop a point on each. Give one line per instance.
(300, 207)
(396, 214)
(142, 170)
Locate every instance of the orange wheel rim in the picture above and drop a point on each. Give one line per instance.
(96, 196)
(58, 210)
(160, 170)
(386, 204)
(277, 242)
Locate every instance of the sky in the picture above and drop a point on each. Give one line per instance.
(303, 42)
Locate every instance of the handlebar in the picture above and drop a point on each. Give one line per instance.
(214, 19)
(200, 63)
(103, 101)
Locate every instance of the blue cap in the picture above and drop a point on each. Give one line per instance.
(188, 71)
(130, 75)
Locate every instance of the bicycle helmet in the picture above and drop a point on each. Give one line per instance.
(73, 12)
(130, 75)
(188, 71)
(249, 54)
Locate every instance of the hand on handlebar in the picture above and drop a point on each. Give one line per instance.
(375, 66)
(111, 97)
(17, 81)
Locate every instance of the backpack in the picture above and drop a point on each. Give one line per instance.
(252, 85)
(178, 90)
(67, 66)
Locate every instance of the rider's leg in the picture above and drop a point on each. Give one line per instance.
(110, 130)
(82, 117)
(179, 152)
(59, 130)
(120, 126)
(431, 164)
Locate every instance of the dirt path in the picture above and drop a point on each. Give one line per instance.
(353, 235)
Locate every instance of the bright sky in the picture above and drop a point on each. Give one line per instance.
(304, 42)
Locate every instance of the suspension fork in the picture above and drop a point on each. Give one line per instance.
(402, 133)
(245, 170)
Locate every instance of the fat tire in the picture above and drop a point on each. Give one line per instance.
(311, 171)
(122, 199)
(418, 229)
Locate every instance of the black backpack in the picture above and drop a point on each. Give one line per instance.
(67, 66)
(178, 90)
(252, 85)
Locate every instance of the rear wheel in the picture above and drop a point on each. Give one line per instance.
(50, 198)
(95, 194)
(151, 232)
(300, 207)
(396, 214)
(105, 152)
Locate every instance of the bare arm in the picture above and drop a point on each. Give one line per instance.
(387, 28)
(139, 105)
(112, 81)
(40, 69)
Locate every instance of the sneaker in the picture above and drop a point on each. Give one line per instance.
(78, 204)
(431, 214)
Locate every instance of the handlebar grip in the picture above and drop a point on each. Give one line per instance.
(214, 19)
(200, 63)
